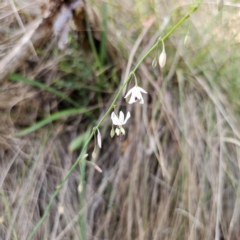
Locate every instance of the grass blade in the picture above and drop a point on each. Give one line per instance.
(20, 78)
(51, 118)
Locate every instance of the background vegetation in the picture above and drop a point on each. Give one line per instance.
(175, 175)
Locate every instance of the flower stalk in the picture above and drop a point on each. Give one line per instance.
(135, 79)
(84, 149)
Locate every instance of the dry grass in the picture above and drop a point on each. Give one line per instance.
(176, 174)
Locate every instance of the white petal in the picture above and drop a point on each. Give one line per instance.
(115, 119)
(127, 117)
(142, 90)
(132, 99)
(139, 95)
(142, 101)
(121, 117)
(122, 130)
(129, 92)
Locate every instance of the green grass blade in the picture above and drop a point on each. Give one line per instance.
(50, 119)
(20, 78)
(79, 141)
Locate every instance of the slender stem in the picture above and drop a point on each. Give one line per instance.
(143, 58)
(163, 46)
(166, 36)
(82, 200)
(81, 156)
(59, 187)
(135, 79)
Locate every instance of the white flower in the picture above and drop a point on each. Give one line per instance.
(119, 121)
(136, 95)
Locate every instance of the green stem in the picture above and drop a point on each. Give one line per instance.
(81, 156)
(58, 188)
(82, 201)
(163, 46)
(135, 79)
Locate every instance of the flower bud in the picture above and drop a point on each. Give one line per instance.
(162, 59)
(60, 209)
(94, 154)
(98, 168)
(95, 166)
(80, 188)
(187, 40)
(154, 63)
(99, 139)
(112, 133)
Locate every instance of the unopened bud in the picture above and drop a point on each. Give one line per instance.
(187, 40)
(99, 139)
(98, 168)
(112, 133)
(80, 188)
(162, 59)
(60, 209)
(94, 165)
(94, 154)
(154, 62)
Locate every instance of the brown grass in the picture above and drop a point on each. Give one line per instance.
(176, 174)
